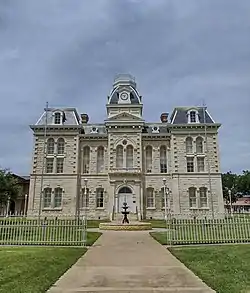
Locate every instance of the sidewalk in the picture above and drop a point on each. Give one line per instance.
(128, 262)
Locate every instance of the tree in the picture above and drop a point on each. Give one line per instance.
(244, 182)
(230, 182)
(9, 186)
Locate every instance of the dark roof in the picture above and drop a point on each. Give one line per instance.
(180, 116)
(115, 98)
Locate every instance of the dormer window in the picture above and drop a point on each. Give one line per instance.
(193, 116)
(58, 118)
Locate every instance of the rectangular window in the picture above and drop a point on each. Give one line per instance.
(59, 165)
(150, 198)
(58, 197)
(190, 164)
(57, 119)
(47, 197)
(192, 116)
(200, 164)
(192, 197)
(203, 197)
(49, 165)
(100, 198)
(85, 198)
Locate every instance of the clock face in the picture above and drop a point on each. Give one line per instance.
(124, 96)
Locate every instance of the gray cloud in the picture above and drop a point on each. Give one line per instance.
(181, 53)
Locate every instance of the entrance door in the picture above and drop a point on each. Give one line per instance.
(125, 195)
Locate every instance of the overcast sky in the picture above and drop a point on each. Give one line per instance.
(181, 52)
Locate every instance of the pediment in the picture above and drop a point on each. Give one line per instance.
(124, 117)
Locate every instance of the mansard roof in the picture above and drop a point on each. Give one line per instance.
(70, 116)
(180, 115)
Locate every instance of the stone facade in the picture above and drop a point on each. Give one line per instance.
(91, 169)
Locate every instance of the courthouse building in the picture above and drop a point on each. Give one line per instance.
(93, 168)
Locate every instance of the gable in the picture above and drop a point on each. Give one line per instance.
(124, 117)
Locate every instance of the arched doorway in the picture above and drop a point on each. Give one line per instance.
(125, 194)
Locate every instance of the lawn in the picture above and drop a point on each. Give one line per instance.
(224, 268)
(34, 269)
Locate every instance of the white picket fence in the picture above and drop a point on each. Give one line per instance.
(227, 228)
(63, 231)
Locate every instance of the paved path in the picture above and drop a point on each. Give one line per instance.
(128, 262)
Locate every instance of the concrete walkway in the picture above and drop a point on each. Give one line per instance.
(123, 262)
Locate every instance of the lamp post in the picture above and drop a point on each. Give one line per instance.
(25, 204)
(230, 200)
(85, 211)
(165, 199)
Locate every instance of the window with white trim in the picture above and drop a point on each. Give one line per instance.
(199, 145)
(163, 195)
(192, 197)
(190, 164)
(189, 145)
(58, 193)
(150, 197)
(99, 197)
(59, 165)
(47, 196)
(193, 116)
(86, 159)
(49, 165)
(85, 197)
(203, 197)
(129, 157)
(57, 118)
(200, 164)
(119, 156)
(149, 151)
(60, 146)
(163, 159)
(100, 159)
(50, 146)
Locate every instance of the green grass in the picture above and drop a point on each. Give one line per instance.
(225, 268)
(34, 269)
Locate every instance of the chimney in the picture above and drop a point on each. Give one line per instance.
(85, 118)
(164, 117)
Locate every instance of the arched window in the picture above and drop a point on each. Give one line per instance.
(199, 145)
(189, 145)
(47, 193)
(203, 197)
(100, 159)
(58, 197)
(60, 146)
(119, 156)
(99, 197)
(50, 146)
(150, 197)
(86, 159)
(129, 156)
(149, 151)
(85, 198)
(192, 197)
(163, 159)
(57, 118)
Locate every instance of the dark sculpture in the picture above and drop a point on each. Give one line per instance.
(125, 213)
